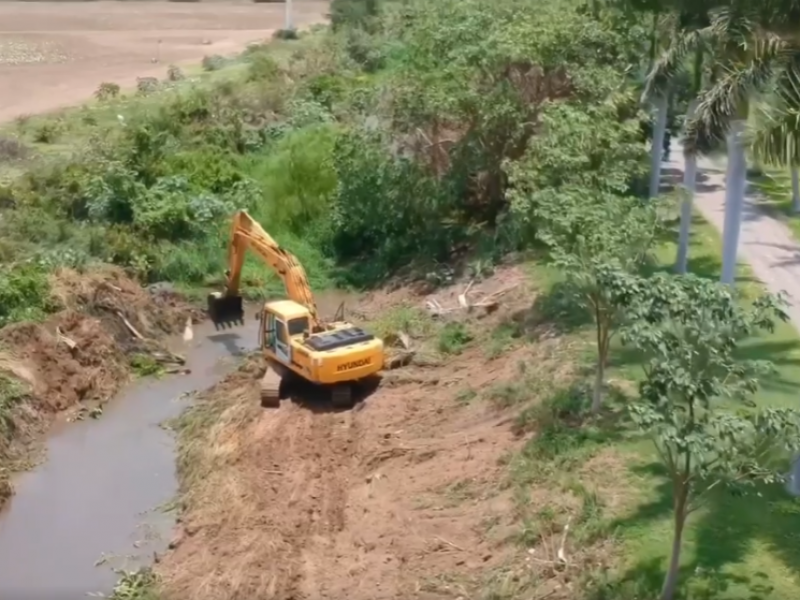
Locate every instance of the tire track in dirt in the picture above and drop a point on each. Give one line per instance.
(286, 478)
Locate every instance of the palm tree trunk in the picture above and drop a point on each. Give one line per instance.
(688, 191)
(795, 191)
(735, 187)
(657, 151)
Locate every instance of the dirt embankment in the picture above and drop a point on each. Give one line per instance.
(403, 497)
(79, 357)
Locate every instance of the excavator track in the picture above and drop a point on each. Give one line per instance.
(270, 389)
(342, 396)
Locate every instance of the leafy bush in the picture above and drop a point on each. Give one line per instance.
(214, 62)
(24, 293)
(107, 91)
(175, 73)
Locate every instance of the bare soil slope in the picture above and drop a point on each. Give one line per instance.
(55, 54)
(402, 497)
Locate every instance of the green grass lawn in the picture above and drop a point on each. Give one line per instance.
(737, 548)
(775, 190)
(744, 548)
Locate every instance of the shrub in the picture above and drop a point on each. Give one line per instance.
(48, 131)
(107, 91)
(147, 85)
(12, 148)
(24, 293)
(175, 73)
(214, 62)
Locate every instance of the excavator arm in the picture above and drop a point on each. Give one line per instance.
(247, 233)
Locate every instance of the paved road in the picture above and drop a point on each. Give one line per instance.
(765, 243)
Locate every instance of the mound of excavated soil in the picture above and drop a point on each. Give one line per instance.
(402, 498)
(79, 354)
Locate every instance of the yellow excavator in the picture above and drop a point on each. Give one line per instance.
(292, 337)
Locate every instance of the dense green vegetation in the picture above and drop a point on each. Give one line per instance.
(414, 137)
(386, 140)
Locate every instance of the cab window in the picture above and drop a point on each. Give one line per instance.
(281, 327)
(298, 326)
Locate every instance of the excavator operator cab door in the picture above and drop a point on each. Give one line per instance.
(275, 337)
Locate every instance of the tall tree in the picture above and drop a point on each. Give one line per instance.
(687, 40)
(751, 51)
(776, 129)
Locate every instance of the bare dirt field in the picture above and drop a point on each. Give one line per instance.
(55, 54)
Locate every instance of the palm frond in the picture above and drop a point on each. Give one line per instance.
(775, 136)
(745, 73)
(672, 62)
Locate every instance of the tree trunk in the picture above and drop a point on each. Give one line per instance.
(656, 152)
(671, 577)
(688, 191)
(735, 188)
(795, 191)
(599, 381)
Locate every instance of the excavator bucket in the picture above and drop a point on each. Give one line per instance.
(225, 310)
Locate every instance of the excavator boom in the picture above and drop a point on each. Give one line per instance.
(246, 233)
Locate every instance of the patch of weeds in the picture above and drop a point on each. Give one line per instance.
(24, 294)
(286, 34)
(454, 338)
(175, 73)
(461, 491)
(466, 395)
(48, 132)
(262, 68)
(12, 148)
(214, 62)
(566, 435)
(12, 393)
(147, 85)
(416, 323)
(500, 340)
(539, 525)
(509, 584)
(590, 523)
(107, 91)
(563, 425)
(144, 365)
(136, 585)
(521, 389)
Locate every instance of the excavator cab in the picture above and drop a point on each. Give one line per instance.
(225, 309)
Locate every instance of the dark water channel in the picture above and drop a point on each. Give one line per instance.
(97, 496)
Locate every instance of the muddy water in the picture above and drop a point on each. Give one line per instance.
(95, 495)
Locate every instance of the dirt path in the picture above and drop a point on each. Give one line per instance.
(55, 54)
(765, 243)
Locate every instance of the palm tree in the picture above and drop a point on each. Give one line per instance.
(795, 191)
(687, 40)
(750, 53)
(776, 131)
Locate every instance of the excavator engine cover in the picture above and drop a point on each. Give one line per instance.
(225, 310)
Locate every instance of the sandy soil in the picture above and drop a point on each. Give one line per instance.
(402, 498)
(55, 54)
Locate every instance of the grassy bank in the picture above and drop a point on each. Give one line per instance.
(775, 190)
(736, 547)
